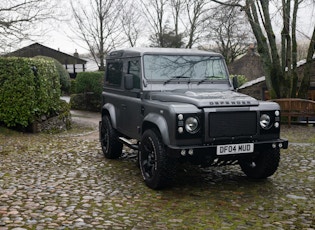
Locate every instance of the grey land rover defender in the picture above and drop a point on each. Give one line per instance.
(180, 105)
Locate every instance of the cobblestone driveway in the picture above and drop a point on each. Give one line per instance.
(62, 181)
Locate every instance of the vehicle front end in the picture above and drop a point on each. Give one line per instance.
(228, 131)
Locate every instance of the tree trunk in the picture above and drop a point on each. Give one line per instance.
(281, 74)
(305, 83)
(272, 72)
(294, 51)
(286, 50)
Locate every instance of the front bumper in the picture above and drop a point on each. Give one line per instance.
(211, 148)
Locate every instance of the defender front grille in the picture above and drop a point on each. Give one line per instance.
(232, 124)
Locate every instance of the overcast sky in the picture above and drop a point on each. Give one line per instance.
(59, 33)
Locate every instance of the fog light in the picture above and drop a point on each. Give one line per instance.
(191, 152)
(280, 145)
(183, 152)
(274, 145)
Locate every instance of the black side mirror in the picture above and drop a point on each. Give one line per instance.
(128, 80)
(235, 82)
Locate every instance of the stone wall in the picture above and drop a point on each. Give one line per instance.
(54, 124)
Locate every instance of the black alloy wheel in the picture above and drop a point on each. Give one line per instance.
(158, 170)
(263, 165)
(111, 146)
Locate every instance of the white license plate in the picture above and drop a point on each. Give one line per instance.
(235, 149)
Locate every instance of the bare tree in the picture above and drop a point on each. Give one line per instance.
(280, 68)
(156, 15)
(305, 84)
(169, 38)
(98, 25)
(177, 7)
(131, 22)
(195, 10)
(230, 31)
(20, 19)
(175, 20)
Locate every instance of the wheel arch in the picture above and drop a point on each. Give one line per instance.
(157, 121)
(109, 110)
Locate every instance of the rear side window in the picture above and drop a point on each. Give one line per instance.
(134, 69)
(114, 73)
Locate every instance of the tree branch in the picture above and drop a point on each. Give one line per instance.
(229, 4)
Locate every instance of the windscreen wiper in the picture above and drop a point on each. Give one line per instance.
(176, 77)
(209, 78)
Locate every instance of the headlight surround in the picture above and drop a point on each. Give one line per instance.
(192, 125)
(265, 121)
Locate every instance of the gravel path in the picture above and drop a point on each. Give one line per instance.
(62, 181)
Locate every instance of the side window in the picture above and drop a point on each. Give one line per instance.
(114, 73)
(134, 69)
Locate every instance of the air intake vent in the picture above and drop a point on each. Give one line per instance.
(231, 124)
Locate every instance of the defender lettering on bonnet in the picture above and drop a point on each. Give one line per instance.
(176, 105)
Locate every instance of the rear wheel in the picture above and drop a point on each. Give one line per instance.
(158, 170)
(111, 147)
(262, 166)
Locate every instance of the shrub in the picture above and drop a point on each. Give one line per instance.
(89, 86)
(72, 86)
(241, 79)
(64, 76)
(29, 88)
(89, 82)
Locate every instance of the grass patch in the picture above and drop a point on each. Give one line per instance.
(8, 132)
(299, 133)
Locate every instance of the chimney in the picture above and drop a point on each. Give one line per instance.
(76, 54)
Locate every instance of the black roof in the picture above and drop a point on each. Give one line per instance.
(37, 49)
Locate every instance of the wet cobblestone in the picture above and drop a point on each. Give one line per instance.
(62, 181)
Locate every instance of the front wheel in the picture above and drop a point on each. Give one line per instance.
(263, 165)
(158, 170)
(111, 147)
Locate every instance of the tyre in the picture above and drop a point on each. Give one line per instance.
(262, 166)
(111, 147)
(157, 169)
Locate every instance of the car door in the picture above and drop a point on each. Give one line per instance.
(131, 105)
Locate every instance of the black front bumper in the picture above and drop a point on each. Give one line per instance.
(212, 148)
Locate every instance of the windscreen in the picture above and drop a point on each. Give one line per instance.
(199, 68)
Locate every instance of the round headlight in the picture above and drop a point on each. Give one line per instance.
(265, 121)
(192, 125)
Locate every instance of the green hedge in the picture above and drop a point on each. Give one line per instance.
(89, 82)
(29, 88)
(64, 76)
(88, 91)
(72, 86)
